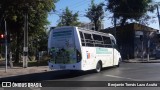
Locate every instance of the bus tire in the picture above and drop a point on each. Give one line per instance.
(118, 63)
(98, 67)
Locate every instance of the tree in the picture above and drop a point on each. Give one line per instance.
(96, 14)
(69, 18)
(13, 11)
(129, 9)
(38, 43)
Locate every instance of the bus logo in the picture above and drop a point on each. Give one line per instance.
(88, 55)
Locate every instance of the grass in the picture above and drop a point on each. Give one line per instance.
(32, 63)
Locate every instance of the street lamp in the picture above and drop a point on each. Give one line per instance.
(25, 48)
(150, 35)
(6, 44)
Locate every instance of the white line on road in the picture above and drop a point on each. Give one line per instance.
(122, 77)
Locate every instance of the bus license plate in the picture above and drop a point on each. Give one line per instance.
(62, 66)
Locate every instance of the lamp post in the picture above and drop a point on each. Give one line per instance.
(6, 51)
(148, 46)
(150, 35)
(25, 48)
(114, 34)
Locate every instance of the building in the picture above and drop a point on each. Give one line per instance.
(135, 40)
(90, 26)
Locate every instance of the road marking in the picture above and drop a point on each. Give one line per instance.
(122, 77)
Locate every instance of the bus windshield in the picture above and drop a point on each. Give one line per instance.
(63, 47)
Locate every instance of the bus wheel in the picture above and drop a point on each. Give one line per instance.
(118, 63)
(98, 67)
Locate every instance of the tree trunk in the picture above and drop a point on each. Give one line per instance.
(17, 47)
(96, 26)
(9, 49)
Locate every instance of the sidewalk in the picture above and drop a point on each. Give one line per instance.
(139, 60)
(15, 71)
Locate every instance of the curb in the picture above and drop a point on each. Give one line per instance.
(138, 61)
(16, 71)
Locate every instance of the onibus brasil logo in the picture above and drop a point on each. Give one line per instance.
(13, 84)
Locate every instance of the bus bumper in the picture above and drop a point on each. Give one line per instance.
(76, 66)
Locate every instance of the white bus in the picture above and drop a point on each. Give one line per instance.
(73, 48)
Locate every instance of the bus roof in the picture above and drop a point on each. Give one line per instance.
(64, 27)
(94, 32)
(84, 30)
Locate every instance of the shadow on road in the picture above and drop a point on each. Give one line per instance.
(50, 75)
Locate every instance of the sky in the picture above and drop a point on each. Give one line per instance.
(81, 6)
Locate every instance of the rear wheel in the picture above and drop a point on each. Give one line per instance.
(118, 63)
(98, 67)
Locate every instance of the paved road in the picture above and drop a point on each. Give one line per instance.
(126, 72)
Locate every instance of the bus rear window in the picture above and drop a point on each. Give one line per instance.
(88, 39)
(62, 34)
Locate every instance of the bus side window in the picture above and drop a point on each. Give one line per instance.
(88, 40)
(98, 40)
(82, 38)
(107, 42)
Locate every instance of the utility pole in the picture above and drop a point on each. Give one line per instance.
(6, 51)
(148, 48)
(158, 15)
(114, 35)
(25, 48)
(141, 38)
(115, 20)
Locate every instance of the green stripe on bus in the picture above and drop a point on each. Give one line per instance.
(103, 51)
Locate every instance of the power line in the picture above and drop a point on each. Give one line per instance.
(71, 5)
(80, 4)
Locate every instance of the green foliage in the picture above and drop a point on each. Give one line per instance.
(68, 18)
(96, 14)
(14, 10)
(38, 42)
(129, 9)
